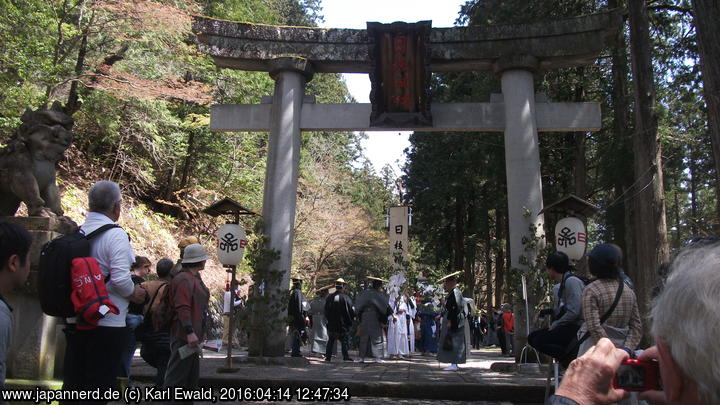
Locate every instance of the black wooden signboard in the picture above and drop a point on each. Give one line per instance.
(400, 74)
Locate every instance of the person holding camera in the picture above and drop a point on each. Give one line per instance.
(686, 358)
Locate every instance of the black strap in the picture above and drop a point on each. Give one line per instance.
(101, 230)
(562, 283)
(621, 286)
(97, 232)
(606, 315)
(157, 292)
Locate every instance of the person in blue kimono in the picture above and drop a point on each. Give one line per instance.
(428, 328)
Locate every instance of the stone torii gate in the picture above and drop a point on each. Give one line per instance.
(292, 55)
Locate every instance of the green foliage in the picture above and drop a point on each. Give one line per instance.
(144, 115)
(456, 181)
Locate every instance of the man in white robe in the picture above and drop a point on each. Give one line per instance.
(412, 312)
(397, 329)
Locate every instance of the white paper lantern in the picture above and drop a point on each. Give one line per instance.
(570, 237)
(231, 244)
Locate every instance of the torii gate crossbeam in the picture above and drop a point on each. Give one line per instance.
(514, 52)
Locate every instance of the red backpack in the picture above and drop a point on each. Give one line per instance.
(89, 295)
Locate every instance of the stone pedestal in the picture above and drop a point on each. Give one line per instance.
(38, 344)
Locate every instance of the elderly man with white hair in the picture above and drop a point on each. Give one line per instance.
(93, 356)
(686, 327)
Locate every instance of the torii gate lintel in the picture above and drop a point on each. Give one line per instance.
(515, 53)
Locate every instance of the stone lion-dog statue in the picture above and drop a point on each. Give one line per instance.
(28, 162)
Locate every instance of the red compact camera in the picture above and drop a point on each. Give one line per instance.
(637, 375)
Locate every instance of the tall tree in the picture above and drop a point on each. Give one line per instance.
(706, 18)
(650, 229)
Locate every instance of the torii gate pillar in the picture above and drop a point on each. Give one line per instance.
(279, 198)
(522, 153)
(522, 170)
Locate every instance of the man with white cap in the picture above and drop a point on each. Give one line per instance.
(189, 297)
(454, 329)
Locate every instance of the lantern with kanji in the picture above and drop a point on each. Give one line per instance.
(231, 244)
(230, 249)
(571, 237)
(570, 232)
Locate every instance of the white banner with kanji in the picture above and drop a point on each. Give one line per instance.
(398, 235)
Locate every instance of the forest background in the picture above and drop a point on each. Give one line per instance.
(130, 74)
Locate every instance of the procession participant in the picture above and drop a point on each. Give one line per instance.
(397, 329)
(296, 312)
(339, 312)
(475, 329)
(428, 329)
(411, 314)
(499, 329)
(454, 329)
(318, 322)
(484, 328)
(373, 310)
(232, 304)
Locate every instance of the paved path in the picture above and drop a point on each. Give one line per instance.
(420, 378)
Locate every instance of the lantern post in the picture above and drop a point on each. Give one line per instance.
(571, 229)
(230, 249)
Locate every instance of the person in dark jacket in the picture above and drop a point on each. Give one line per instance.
(339, 312)
(296, 312)
(155, 348)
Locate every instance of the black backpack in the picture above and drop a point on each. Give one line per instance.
(54, 282)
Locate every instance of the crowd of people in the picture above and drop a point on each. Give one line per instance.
(97, 356)
(594, 326)
(383, 327)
